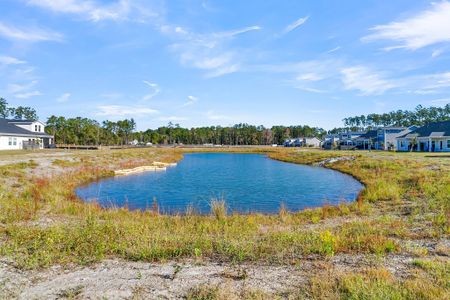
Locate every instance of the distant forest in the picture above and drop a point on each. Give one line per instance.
(84, 131)
(419, 116)
(90, 132)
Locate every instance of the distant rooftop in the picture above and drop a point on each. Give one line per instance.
(436, 129)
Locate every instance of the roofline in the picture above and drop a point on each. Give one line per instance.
(424, 137)
(27, 135)
(24, 122)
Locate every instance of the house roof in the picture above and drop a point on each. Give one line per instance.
(24, 122)
(6, 127)
(436, 129)
(369, 134)
(393, 127)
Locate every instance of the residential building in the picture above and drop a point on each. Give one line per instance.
(330, 141)
(23, 134)
(386, 136)
(433, 137)
(367, 141)
(303, 142)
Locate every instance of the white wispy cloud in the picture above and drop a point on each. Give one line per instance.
(367, 81)
(154, 90)
(310, 89)
(94, 11)
(124, 111)
(30, 34)
(309, 77)
(231, 33)
(210, 52)
(437, 52)
(9, 60)
(432, 83)
(426, 28)
(440, 101)
(27, 95)
(334, 49)
(63, 98)
(295, 24)
(191, 100)
(14, 88)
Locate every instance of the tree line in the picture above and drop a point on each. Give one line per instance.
(419, 117)
(85, 131)
(239, 134)
(18, 113)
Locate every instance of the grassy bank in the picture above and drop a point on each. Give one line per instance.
(406, 201)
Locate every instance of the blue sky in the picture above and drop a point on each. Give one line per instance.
(210, 62)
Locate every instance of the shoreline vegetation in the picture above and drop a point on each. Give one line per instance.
(401, 215)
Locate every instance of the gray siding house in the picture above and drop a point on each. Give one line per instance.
(433, 137)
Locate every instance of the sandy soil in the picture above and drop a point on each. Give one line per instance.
(113, 279)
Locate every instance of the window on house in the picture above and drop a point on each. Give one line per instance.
(448, 143)
(15, 141)
(402, 144)
(35, 128)
(39, 128)
(10, 141)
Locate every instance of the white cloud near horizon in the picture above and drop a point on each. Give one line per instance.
(124, 111)
(172, 119)
(211, 115)
(426, 28)
(297, 23)
(27, 95)
(366, 81)
(14, 88)
(31, 34)
(441, 100)
(63, 98)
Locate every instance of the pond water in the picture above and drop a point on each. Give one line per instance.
(247, 182)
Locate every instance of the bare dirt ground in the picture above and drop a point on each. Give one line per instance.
(113, 279)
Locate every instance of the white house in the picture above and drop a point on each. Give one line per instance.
(303, 142)
(433, 137)
(312, 142)
(23, 134)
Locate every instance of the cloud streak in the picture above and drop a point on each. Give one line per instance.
(63, 98)
(154, 90)
(31, 34)
(93, 11)
(9, 60)
(124, 111)
(210, 52)
(428, 27)
(191, 100)
(28, 95)
(365, 80)
(297, 23)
